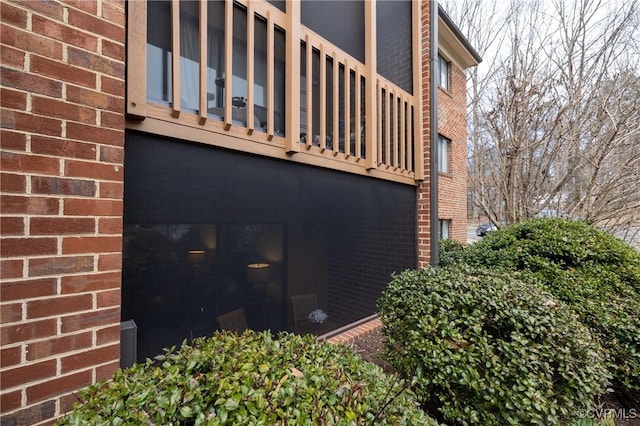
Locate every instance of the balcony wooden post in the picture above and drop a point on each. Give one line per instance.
(204, 103)
(228, 63)
(137, 60)
(309, 90)
(358, 117)
(336, 104)
(250, 109)
(347, 109)
(175, 59)
(270, 75)
(370, 83)
(292, 91)
(323, 99)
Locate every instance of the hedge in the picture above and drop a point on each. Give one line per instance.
(485, 348)
(595, 273)
(253, 378)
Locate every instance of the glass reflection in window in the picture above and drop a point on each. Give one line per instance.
(159, 51)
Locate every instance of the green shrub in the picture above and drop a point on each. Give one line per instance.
(488, 349)
(255, 379)
(451, 252)
(595, 273)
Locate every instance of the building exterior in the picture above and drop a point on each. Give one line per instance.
(297, 161)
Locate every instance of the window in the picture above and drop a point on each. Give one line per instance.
(444, 226)
(444, 146)
(443, 72)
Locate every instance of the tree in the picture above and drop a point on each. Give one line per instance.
(555, 119)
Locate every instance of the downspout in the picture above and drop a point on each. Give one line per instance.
(433, 126)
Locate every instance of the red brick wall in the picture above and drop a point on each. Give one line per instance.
(61, 189)
(424, 232)
(452, 124)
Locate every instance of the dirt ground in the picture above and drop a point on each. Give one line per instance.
(627, 405)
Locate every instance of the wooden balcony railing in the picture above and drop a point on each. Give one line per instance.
(333, 111)
(396, 127)
(336, 111)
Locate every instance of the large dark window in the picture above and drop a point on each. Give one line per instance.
(196, 217)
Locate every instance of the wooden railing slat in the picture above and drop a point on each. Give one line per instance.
(250, 109)
(347, 109)
(336, 105)
(309, 81)
(323, 99)
(175, 59)
(358, 115)
(228, 63)
(270, 75)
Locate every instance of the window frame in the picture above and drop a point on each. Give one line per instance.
(444, 66)
(441, 227)
(444, 159)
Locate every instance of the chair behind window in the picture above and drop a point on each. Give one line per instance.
(303, 305)
(233, 321)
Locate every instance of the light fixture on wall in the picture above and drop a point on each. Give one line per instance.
(257, 273)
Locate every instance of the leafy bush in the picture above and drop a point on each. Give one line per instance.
(451, 252)
(254, 378)
(488, 349)
(597, 274)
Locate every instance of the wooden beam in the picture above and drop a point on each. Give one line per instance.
(228, 63)
(387, 126)
(336, 104)
(379, 118)
(309, 80)
(270, 75)
(403, 133)
(204, 103)
(292, 79)
(395, 147)
(410, 136)
(251, 20)
(347, 108)
(359, 121)
(371, 70)
(323, 99)
(137, 59)
(175, 59)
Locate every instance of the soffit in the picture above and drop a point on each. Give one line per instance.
(453, 48)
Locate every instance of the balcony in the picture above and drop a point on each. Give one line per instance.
(250, 77)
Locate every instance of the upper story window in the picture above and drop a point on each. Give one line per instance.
(444, 148)
(444, 68)
(444, 227)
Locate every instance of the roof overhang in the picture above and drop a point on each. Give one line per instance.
(453, 44)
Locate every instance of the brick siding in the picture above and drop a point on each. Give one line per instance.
(452, 124)
(423, 191)
(61, 187)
